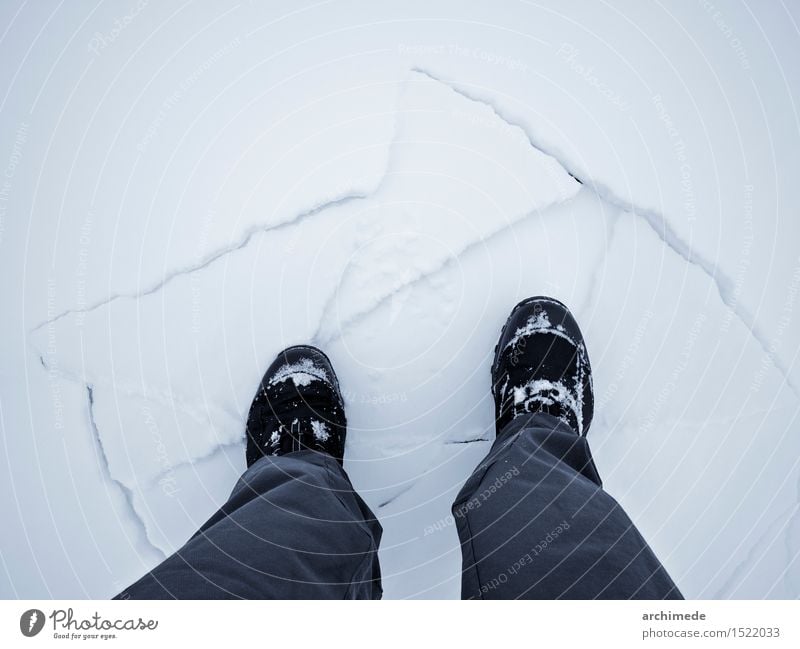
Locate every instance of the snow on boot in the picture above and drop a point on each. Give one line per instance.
(541, 365)
(298, 406)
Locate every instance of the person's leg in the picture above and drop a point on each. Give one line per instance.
(293, 528)
(534, 522)
(533, 519)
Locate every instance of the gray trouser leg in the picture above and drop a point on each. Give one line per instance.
(534, 522)
(293, 528)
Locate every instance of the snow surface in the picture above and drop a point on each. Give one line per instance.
(182, 198)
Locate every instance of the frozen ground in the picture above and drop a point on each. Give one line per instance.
(187, 189)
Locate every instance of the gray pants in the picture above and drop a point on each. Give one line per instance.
(533, 520)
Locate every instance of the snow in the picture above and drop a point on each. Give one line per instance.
(212, 184)
(302, 373)
(542, 391)
(320, 430)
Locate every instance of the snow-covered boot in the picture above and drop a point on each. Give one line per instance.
(298, 406)
(541, 365)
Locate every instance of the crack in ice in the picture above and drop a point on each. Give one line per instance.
(467, 441)
(170, 399)
(659, 224)
(360, 316)
(219, 449)
(402, 492)
(126, 491)
(213, 257)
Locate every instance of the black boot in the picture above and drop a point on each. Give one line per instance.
(298, 406)
(541, 365)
